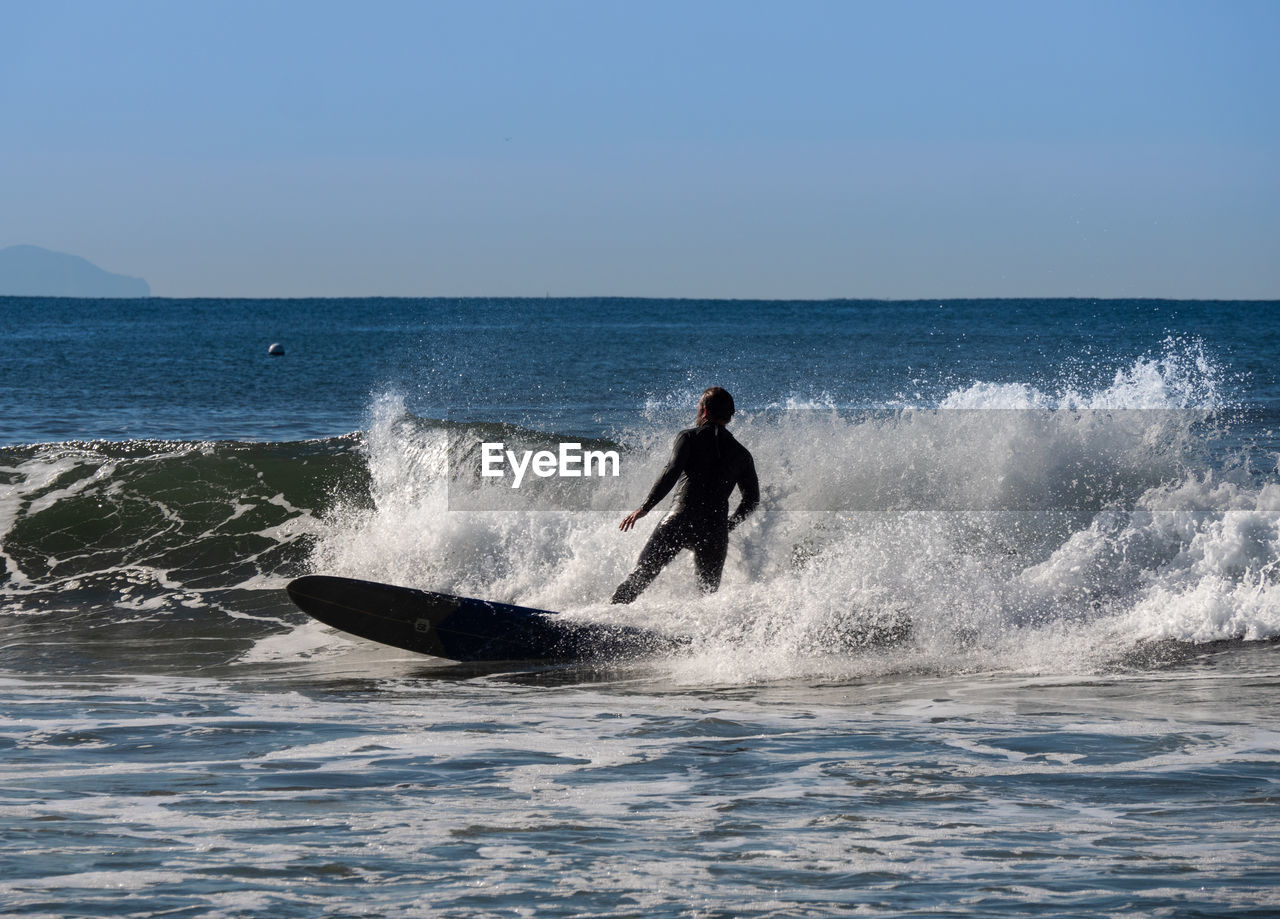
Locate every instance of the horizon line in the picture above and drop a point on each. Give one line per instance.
(652, 298)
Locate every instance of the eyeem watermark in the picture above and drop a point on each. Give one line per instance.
(569, 461)
(873, 460)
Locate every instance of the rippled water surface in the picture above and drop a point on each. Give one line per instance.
(420, 792)
(1068, 510)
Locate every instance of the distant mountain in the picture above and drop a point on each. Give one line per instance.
(29, 271)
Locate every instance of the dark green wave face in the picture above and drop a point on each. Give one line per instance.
(121, 545)
(206, 515)
(174, 554)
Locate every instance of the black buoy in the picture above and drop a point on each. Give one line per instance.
(276, 350)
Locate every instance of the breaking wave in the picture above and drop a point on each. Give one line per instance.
(1013, 527)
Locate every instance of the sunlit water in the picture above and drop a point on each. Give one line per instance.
(1075, 507)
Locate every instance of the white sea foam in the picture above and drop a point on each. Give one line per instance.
(223, 793)
(308, 641)
(1015, 527)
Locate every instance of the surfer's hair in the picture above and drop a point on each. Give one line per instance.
(715, 405)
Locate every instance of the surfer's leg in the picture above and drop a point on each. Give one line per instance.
(665, 544)
(709, 553)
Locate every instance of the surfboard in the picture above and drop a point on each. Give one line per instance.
(463, 628)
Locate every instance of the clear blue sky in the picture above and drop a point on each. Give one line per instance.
(902, 148)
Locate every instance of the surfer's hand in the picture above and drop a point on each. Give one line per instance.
(630, 520)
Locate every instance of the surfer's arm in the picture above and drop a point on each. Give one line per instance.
(666, 481)
(749, 485)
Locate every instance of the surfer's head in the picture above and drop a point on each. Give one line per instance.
(716, 405)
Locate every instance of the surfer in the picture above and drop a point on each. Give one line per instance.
(706, 464)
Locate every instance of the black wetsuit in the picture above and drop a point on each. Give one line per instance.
(707, 463)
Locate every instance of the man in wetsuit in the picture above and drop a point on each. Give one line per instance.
(707, 463)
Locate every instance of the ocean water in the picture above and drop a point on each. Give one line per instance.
(1075, 504)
